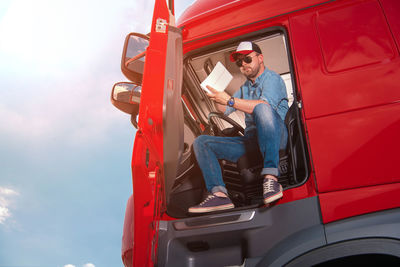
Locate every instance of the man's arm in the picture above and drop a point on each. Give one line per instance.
(246, 105)
(221, 99)
(220, 108)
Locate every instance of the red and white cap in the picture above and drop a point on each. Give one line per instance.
(245, 48)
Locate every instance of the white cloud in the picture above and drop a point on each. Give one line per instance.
(4, 214)
(65, 116)
(69, 265)
(76, 110)
(16, 122)
(41, 33)
(6, 197)
(143, 14)
(57, 74)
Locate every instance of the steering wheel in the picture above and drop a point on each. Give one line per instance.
(236, 126)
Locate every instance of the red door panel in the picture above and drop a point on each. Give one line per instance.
(156, 151)
(145, 165)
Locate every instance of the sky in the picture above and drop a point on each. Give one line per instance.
(65, 151)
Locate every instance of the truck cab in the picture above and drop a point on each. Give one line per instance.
(340, 63)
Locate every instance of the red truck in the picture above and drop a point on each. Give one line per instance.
(340, 62)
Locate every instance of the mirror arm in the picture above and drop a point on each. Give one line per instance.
(134, 58)
(133, 121)
(171, 7)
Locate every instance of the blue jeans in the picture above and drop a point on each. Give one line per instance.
(268, 137)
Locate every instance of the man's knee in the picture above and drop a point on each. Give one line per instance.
(262, 109)
(200, 141)
(263, 113)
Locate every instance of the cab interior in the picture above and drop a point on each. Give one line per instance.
(241, 178)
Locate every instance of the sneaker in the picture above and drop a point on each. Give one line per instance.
(212, 203)
(272, 190)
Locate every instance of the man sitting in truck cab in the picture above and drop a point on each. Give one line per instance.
(263, 99)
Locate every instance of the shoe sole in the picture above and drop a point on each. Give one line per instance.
(274, 197)
(210, 209)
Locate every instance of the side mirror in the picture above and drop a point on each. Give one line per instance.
(125, 96)
(133, 56)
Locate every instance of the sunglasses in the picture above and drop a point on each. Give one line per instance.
(246, 59)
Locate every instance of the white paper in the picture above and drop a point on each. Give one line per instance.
(218, 79)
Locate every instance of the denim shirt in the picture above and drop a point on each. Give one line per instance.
(268, 87)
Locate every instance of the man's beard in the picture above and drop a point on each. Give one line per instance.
(253, 73)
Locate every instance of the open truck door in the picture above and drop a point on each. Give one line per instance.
(159, 139)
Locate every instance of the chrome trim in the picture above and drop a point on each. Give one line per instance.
(186, 225)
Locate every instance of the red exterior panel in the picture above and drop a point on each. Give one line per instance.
(392, 11)
(349, 74)
(348, 203)
(339, 73)
(223, 15)
(354, 36)
(356, 149)
(300, 192)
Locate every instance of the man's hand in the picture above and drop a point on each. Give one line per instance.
(221, 99)
(218, 97)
